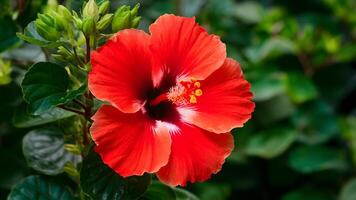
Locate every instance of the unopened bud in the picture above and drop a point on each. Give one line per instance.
(71, 170)
(125, 18)
(60, 22)
(104, 22)
(91, 10)
(89, 26)
(121, 22)
(134, 10)
(59, 58)
(47, 19)
(78, 22)
(46, 31)
(5, 72)
(64, 52)
(104, 7)
(135, 22)
(64, 12)
(74, 149)
(51, 5)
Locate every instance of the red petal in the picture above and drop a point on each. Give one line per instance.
(225, 103)
(121, 70)
(195, 155)
(131, 144)
(182, 48)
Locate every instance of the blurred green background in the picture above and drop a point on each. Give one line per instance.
(300, 57)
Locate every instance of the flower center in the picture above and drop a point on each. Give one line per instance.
(184, 93)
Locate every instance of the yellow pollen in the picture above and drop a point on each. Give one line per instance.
(198, 92)
(193, 99)
(185, 92)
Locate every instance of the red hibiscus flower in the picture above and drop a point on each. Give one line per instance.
(174, 98)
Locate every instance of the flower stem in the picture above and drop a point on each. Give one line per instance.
(87, 43)
(77, 58)
(71, 110)
(79, 103)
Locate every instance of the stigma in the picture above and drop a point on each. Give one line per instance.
(185, 92)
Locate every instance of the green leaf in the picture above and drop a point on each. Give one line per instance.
(27, 53)
(271, 48)
(23, 118)
(306, 194)
(268, 86)
(46, 85)
(308, 159)
(30, 35)
(183, 194)
(271, 142)
(15, 168)
(316, 123)
(348, 192)
(346, 54)
(102, 183)
(7, 34)
(300, 88)
(44, 151)
(348, 127)
(249, 12)
(159, 191)
(273, 110)
(212, 191)
(36, 188)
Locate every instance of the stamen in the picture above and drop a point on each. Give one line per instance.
(185, 92)
(198, 92)
(192, 99)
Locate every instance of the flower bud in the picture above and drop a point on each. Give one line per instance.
(121, 21)
(74, 149)
(125, 18)
(134, 10)
(64, 52)
(51, 5)
(59, 57)
(64, 12)
(104, 7)
(104, 22)
(71, 170)
(60, 22)
(135, 22)
(91, 10)
(89, 26)
(47, 31)
(5, 72)
(47, 19)
(78, 22)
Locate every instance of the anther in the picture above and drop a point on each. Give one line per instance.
(185, 92)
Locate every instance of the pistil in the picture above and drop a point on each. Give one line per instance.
(159, 99)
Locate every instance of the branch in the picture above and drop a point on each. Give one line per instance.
(77, 58)
(80, 104)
